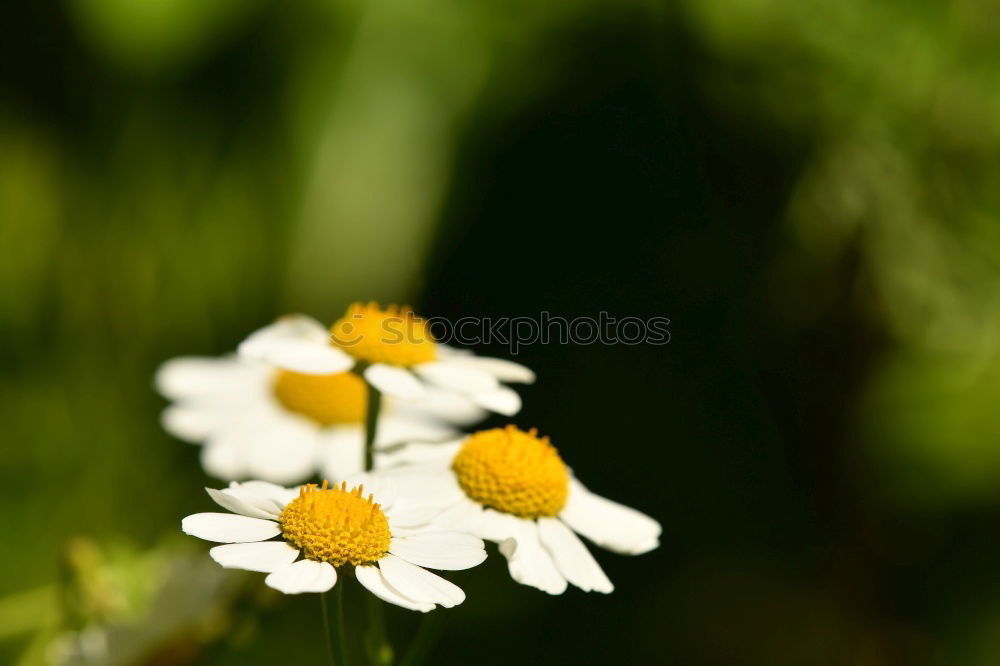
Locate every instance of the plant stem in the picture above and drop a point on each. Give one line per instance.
(424, 640)
(379, 649)
(333, 623)
(371, 424)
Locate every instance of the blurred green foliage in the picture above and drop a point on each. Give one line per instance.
(900, 104)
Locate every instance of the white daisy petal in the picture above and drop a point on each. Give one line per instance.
(529, 563)
(502, 369)
(450, 353)
(609, 524)
(461, 516)
(395, 429)
(419, 453)
(371, 577)
(272, 491)
(223, 459)
(281, 450)
(420, 584)
(194, 377)
(245, 506)
(450, 551)
(303, 576)
(449, 406)
(296, 343)
(457, 376)
(201, 418)
(192, 424)
(263, 556)
(571, 557)
(501, 400)
(394, 381)
(430, 484)
(266, 500)
(408, 513)
(265, 443)
(342, 452)
(384, 489)
(470, 517)
(229, 528)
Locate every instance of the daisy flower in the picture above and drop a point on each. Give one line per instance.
(262, 422)
(396, 354)
(512, 487)
(325, 531)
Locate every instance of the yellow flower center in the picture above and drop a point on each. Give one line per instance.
(513, 471)
(394, 335)
(326, 399)
(336, 525)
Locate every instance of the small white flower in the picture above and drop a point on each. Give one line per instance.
(385, 537)
(398, 356)
(262, 422)
(511, 487)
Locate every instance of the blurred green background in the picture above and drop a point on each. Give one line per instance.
(808, 190)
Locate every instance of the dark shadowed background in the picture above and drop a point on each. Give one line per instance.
(807, 191)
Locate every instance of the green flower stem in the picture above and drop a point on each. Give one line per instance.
(371, 424)
(377, 642)
(423, 642)
(380, 651)
(332, 603)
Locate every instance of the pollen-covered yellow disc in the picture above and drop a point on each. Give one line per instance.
(336, 525)
(513, 471)
(326, 399)
(394, 335)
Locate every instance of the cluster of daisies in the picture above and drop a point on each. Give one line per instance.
(378, 409)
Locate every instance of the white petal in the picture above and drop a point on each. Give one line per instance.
(407, 513)
(261, 495)
(571, 557)
(451, 551)
(450, 353)
(371, 577)
(303, 576)
(445, 405)
(529, 563)
(192, 424)
(282, 450)
(457, 376)
(206, 416)
(420, 584)
(296, 343)
(469, 517)
(223, 460)
(461, 516)
(383, 489)
(502, 369)
(428, 484)
(342, 452)
(394, 381)
(228, 528)
(244, 504)
(609, 524)
(395, 429)
(264, 443)
(194, 377)
(263, 556)
(419, 453)
(278, 494)
(501, 400)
